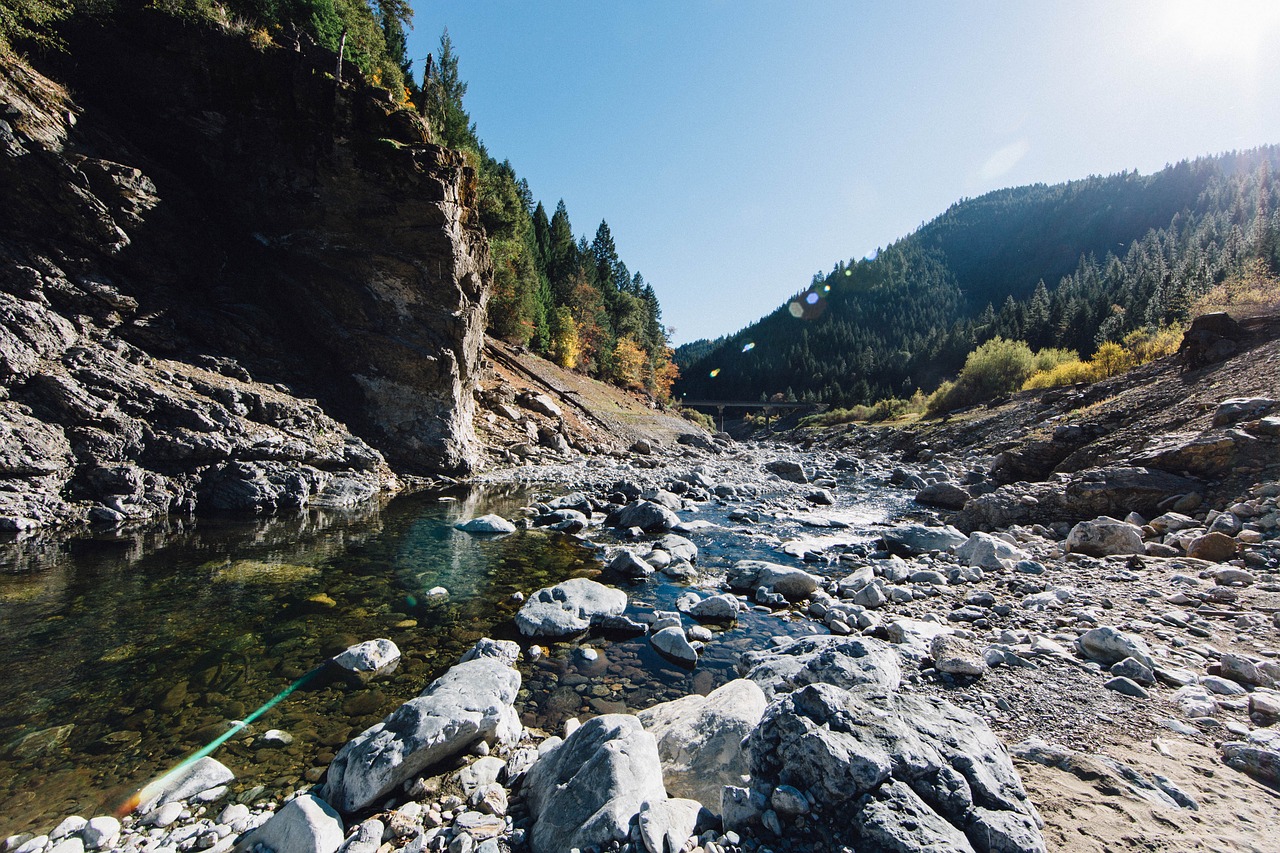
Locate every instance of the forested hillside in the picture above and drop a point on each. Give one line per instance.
(1071, 265)
(574, 301)
(570, 299)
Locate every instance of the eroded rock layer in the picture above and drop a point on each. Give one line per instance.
(225, 281)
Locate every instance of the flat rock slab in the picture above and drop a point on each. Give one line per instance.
(700, 739)
(471, 702)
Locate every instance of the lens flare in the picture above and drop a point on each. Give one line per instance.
(715, 373)
(748, 347)
(153, 788)
(812, 298)
(795, 309)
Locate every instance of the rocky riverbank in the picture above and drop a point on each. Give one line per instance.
(1073, 684)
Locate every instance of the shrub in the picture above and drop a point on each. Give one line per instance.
(1111, 359)
(1066, 373)
(702, 419)
(1146, 345)
(1050, 357)
(997, 367)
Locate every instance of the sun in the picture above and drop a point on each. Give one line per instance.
(1234, 31)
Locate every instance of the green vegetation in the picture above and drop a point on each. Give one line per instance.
(573, 301)
(28, 21)
(1127, 253)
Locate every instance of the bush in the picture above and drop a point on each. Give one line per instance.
(1066, 373)
(1111, 360)
(702, 419)
(1249, 293)
(1145, 345)
(1050, 357)
(997, 367)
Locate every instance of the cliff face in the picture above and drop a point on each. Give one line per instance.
(210, 255)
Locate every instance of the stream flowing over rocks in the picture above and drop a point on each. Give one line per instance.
(924, 689)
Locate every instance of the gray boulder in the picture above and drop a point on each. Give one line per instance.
(674, 644)
(627, 565)
(788, 470)
(956, 656)
(587, 790)
(186, 782)
(915, 539)
(944, 495)
(700, 739)
(1109, 645)
(678, 546)
(646, 515)
(469, 703)
(989, 552)
(1104, 536)
(569, 608)
(715, 608)
(786, 581)
(667, 825)
(506, 651)
(306, 824)
(893, 772)
(823, 659)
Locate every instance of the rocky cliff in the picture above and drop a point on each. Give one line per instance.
(212, 257)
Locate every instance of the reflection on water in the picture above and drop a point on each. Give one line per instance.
(125, 654)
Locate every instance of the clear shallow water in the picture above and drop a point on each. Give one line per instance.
(124, 655)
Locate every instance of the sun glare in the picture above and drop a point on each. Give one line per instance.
(1222, 31)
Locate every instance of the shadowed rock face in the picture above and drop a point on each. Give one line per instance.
(211, 230)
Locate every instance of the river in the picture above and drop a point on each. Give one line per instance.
(125, 653)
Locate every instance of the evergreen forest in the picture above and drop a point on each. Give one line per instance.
(1070, 266)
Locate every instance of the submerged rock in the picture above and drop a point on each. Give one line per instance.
(368, 660)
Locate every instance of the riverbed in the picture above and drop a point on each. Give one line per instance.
(125, 653)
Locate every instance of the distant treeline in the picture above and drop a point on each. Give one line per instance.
(1069, 266)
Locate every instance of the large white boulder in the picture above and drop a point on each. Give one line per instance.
(471, 702)
(306, 824)
(1105, 536)
(586, 791)
(700, 739)
(788, 582)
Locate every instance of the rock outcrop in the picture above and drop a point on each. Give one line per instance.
(207, 235)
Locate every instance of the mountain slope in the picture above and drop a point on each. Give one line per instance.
(1116, 253)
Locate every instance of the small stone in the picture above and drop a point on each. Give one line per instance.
(1135, 670)
(1126, 686)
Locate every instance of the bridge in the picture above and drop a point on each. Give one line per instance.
(766, 406)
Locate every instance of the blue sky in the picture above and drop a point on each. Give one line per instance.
(737, 147)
